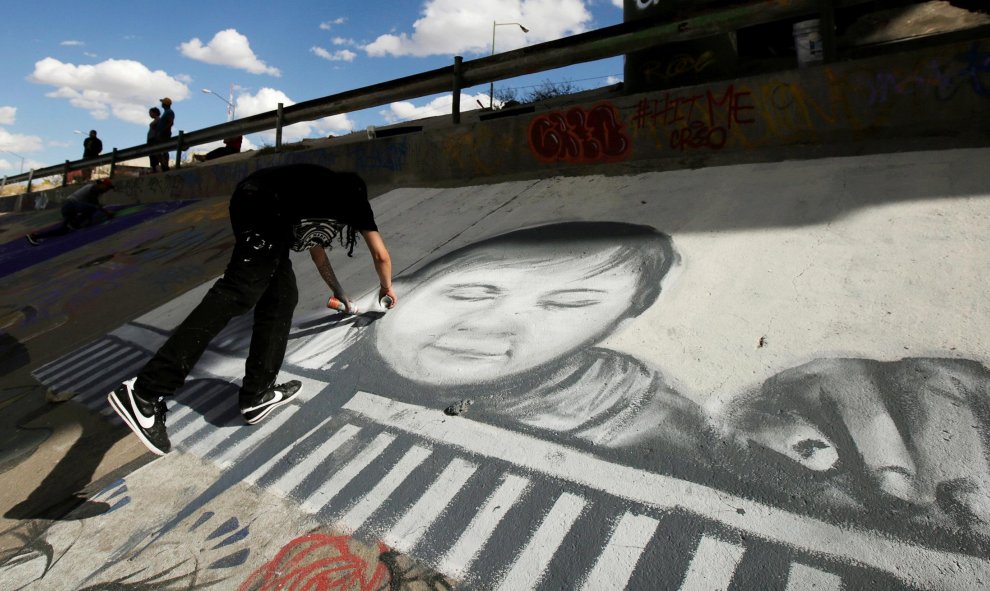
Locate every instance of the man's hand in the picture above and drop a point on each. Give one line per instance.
(390, 293)
(912, 431)
(342, 304)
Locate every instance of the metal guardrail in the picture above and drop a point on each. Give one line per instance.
(594, 45)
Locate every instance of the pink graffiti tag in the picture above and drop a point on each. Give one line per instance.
(595, 135)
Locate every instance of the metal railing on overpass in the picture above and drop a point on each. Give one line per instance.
(706, 19)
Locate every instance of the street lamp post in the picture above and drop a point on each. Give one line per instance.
(491, 86)
(230, 104)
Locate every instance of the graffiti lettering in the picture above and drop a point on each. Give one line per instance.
(644, 4)
(698, 121)
(595, 135)
(977, 69)
(729, 109)
(678, 66)
(684, 63)
(698, 135)
(931, 78)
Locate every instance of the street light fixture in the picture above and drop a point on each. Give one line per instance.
(18, 155)
(230, 105)
(491, 87)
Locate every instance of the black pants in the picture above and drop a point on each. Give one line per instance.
(259, 275)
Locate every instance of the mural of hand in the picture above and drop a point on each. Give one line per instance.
(913, 430)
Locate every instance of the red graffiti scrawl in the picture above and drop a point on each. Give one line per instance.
(317, 562)
(579, 135)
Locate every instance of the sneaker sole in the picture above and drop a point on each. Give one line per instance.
(268, 409)
(119, 408)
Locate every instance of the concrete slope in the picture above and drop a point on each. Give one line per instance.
(749, 377)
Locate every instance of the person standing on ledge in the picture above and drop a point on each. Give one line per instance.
(165, 123)
(92, 147)
(272, 212)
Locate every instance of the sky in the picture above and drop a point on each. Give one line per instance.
(70, 67)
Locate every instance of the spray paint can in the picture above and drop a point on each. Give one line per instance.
(385, 302)
(337, 304)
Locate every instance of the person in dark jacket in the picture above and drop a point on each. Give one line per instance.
(273, 211)
(165, 123)
(92, 147)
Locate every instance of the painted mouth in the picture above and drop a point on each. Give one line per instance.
(470, 350)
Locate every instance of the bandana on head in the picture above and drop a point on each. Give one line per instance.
(315, 232)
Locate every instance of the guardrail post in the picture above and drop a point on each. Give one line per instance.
(113, 162)
(455, 106)
(65, 174)
(278, 127)
(178, 150)
(19, 204)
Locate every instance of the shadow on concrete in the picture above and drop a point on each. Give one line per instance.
(67, 487)
(13, 354)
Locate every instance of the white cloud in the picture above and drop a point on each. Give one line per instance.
(8, 115)
(342, 41)
(326, 26)
(267, 99)
(123, 88)
(72, 43)
(546, 20)
(617, 3)
(16, 142)
(407, 111)
(227, 48)
(343, 55)
(59, 144)
(613, 80)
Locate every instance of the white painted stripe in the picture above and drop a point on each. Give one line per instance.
(204, 391)
(265, 468)
(71, 362)
(228, 456)
(535, 557)
(215, 438)
(713, 565)
(376, 497)
(107, 374)
(70, 381)
(805, 578)
(468, 546)
(199, 424)
(616, 563)
(410, 528)
(329, 489)
(291, 479)
(96, 369)
(916, 564)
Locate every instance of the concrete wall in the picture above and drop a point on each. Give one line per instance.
(932, 98)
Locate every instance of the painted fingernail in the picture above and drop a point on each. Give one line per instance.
(897, 483)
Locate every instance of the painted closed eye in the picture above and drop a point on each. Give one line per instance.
(571, 298)
(472, 292)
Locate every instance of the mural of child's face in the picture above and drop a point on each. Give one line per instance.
(498, 319)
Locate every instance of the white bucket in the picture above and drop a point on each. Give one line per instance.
(808, 42)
